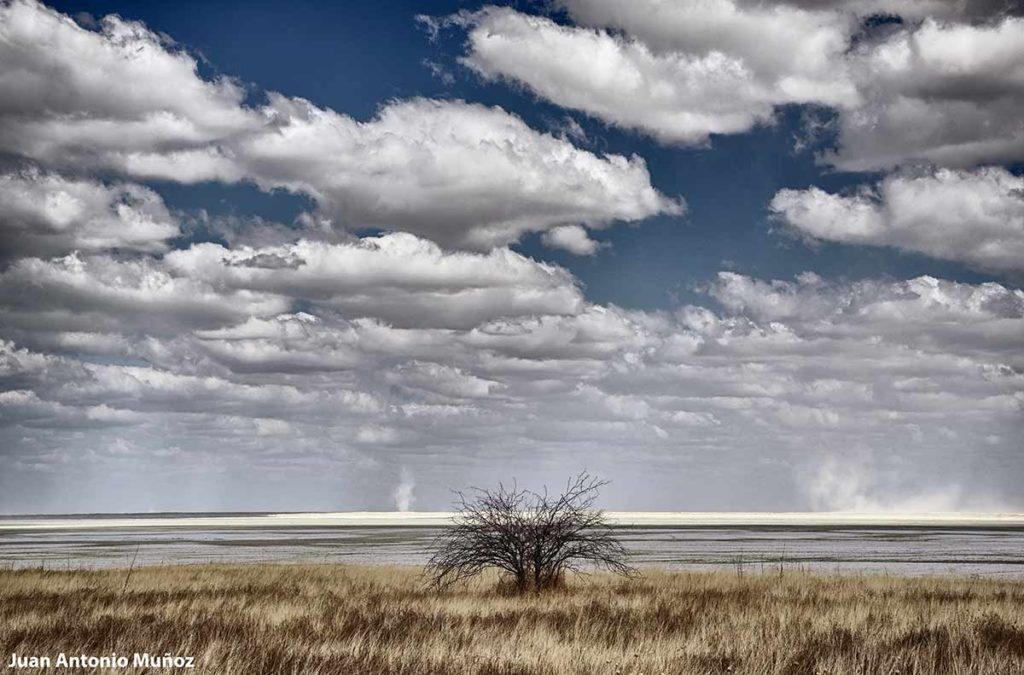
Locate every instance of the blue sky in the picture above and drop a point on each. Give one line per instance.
(316, 255)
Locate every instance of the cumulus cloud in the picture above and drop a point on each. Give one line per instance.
(769, 369)
(910, 9)
(572, 238)
(59, 105)
(397, 277)
(236, 297)
(104, 293)
(975, 217)
(230, 372)
(941, 84)
(977, 319)
(48, 214)
(683, 73)
(463, 174)
(26, 409)
(900, 85)
(940, 92)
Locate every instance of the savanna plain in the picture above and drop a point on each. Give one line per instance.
(325, 619)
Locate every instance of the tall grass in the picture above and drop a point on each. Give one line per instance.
(256, 619)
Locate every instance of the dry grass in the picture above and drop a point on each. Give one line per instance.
(261, 619)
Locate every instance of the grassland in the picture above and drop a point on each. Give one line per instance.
(263, 619)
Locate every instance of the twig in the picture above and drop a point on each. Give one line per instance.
(130, 568)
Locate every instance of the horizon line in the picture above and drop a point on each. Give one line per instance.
(240, 519)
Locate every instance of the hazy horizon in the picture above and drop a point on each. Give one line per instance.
(616, 517)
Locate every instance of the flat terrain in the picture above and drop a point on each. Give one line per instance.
(263, 619)
(439, 518)
(990, 551)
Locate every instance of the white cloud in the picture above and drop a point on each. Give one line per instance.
(287, 343)
(684, 72)
(975, 217)
(944, 86)
(781, 369)
(397, 277)
(446, 381)
(463, 174)
(59, 105)
(25, 408)
(916, 10)
(811, 299)
(311, 357)
(939, 92)
(572, 238)
(104, 293)
(47, 214)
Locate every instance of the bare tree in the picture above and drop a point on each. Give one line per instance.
(532, 537)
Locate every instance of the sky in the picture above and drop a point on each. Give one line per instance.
(732, 255)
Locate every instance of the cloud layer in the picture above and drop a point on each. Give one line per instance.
(451, 362)
(47, 214)
(937, 85)
(929, 90)
(463, 174)
(157, 359)
(974, 217)
(670, 75)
